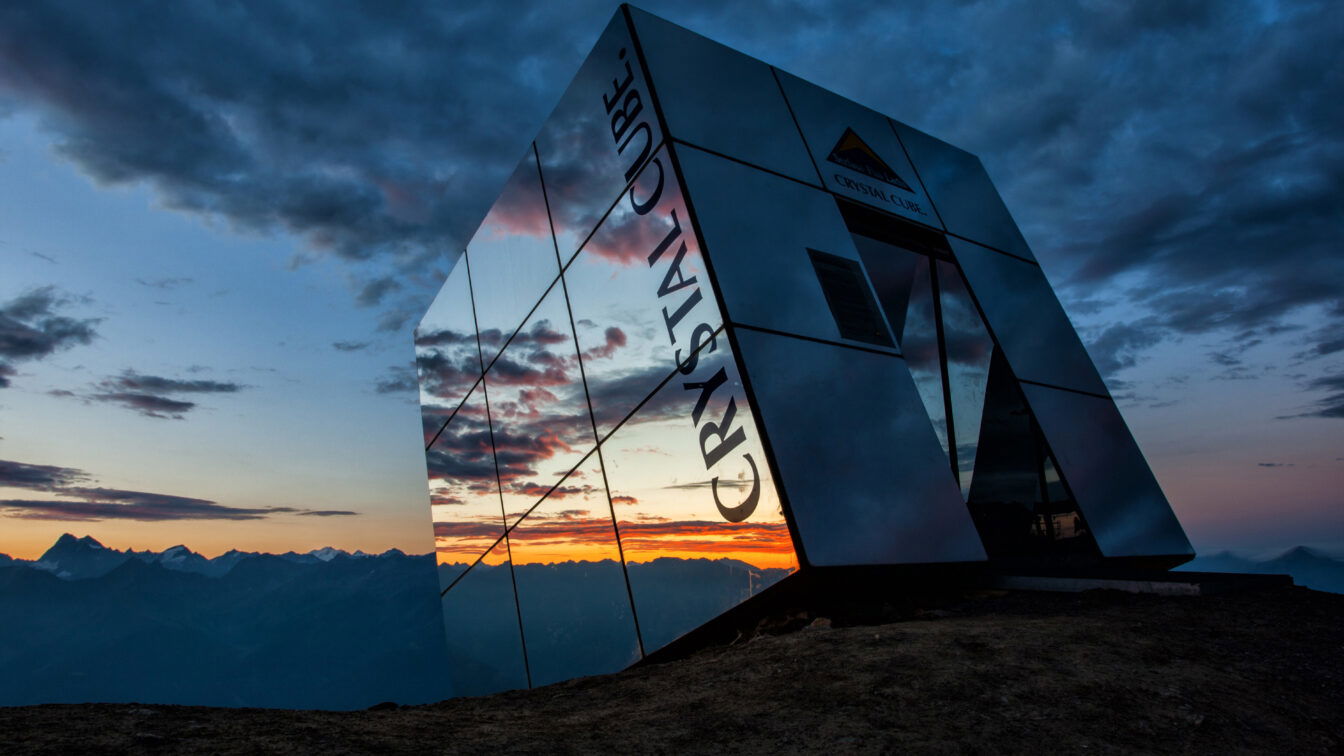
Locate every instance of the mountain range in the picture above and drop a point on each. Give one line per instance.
(327, 629)
(72, 558)
(1310, 568)
(330, 629)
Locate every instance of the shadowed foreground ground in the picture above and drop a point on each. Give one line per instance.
(1099, 672)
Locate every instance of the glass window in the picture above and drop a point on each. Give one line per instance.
(1026, 319)
(904, 285)
(1020, 506)
(717, 98)
(866, 481)
(962, 193)
(511, 258)
(856, 151)
(599, 136)
(447, 358)
(968, 349)
(571, 585)
(480, 620)
(697, 512)
(757, 230)
(463, 490)
(1103, 466)
(538, 410)
(641, 297)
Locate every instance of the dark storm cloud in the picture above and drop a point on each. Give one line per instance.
(1332, 404)
(38, 477)
(1118, 345)
(148, 405)
(163, 283)
(372, 293)
(31, 328)
(150, 395)
(113, 504)
(133, 381)
(82, 503)
(399, 380)
(1192, 147)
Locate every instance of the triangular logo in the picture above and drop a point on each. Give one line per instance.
(853, 153)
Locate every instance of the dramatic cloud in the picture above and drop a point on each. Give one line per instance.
(164, 283)
(132, 381)
(38, 477)
(148, 394)
(373, 292)
(146, 404)
(1331, 405)
(399, 380)
(1182, 156)
(31, 329)
(111, 504)
(83, 503)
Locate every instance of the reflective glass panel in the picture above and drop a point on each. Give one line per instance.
(757, 230)
(511, 257)
(856, 151)
(961, 191)
(571, 587)
(1020, 505)
(463, 492)
(480, 620)
(598, 137)
(538, 410)
(1097, 456)
(698, 515)
(905, 288)
(1027, 320)
(447, 359)
(641, 297)
(968, 348)
(717, 98)
(867, 483)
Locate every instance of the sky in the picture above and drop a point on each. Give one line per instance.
(220, 222)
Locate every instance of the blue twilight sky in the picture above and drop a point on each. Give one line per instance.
(219, 222)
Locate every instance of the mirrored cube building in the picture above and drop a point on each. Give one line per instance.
(723, 327)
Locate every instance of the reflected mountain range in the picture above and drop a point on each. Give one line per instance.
(324, 629)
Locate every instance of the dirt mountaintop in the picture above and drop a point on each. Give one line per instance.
(995, 672)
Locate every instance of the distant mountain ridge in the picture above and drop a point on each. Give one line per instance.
(1309, 568)
(72, 558)
(328, 630)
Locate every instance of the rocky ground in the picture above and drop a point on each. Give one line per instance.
(996, 672)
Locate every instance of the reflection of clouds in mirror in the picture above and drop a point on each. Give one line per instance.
(512, 257)
(538, 408)
(573, 524)
(447, 359)
(584, 165)
(463, 488)
(665, 494)
(640, 295)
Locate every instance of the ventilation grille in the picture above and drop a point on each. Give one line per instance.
(851, 301)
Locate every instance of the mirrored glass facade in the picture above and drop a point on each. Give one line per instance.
(723, 327)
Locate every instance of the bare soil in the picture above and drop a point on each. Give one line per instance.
(1099, 672)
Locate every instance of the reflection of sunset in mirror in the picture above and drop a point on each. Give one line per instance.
(572, 525)
(463, 489)
(664, 496)
(632, 269)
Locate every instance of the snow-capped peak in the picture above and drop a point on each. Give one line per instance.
(328, 553)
